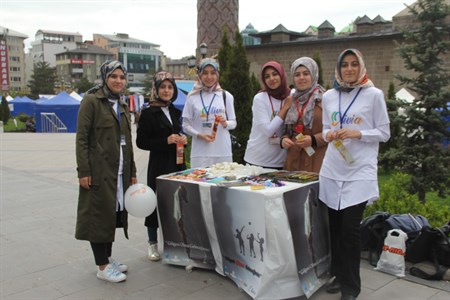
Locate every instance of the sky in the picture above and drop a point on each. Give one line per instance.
(172, 24)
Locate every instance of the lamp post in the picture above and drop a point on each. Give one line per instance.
(203, 48)
(191, 62)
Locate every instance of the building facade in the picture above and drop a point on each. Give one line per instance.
(48, 42)
(140, 57)
(84, 61)
(377, 39)
(12, 60)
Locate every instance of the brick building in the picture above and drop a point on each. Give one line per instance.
(377, 39)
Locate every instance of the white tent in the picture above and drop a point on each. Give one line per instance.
(403, 94)
(76, 96)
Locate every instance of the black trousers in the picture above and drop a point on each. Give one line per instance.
(345, 238)
(102, 252)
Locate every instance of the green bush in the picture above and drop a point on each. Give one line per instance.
(395, 199)
(23, 117)
(11, 127)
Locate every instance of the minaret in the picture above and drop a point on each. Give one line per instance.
(212, 17)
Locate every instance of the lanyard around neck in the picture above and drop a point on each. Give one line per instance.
(301, 111)
(210, 104)
(342, 116)
(271, 104)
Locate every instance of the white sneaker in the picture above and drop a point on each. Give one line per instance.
(111, 274)
(153, 253)
(118, 266)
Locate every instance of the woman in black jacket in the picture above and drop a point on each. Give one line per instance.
(159, 131)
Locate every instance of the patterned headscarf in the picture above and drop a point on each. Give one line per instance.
(301, 96)
(363, 78)
(159, 78)
(106, 69)
(283, 90)
(198, 85)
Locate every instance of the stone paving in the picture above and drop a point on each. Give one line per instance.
(41, 259)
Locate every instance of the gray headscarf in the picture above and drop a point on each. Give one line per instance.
(106, 69)
(301, 97)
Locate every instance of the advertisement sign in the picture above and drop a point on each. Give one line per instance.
(186, 241)
(4, 69)
(308, 219)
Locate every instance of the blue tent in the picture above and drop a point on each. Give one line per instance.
(181, 100)
(22, 105)
(185, 85)
(63, 107)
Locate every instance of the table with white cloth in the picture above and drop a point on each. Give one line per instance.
(273, 242)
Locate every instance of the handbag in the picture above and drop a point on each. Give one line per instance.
(432, 244)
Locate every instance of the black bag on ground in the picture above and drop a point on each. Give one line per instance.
(373, 232)
(432, 244)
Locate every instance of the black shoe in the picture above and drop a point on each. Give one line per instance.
(334, 287)
(348, 297)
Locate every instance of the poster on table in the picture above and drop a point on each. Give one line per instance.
(308, 220)
(186, 242)
(241, 235)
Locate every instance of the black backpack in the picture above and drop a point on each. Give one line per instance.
(373, 231)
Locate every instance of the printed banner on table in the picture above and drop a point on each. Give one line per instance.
(308, 220)
(241, 235)
(186, 242)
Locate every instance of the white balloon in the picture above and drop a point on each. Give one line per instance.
(140, 200)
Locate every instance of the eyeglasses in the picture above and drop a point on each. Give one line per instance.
(115, 76)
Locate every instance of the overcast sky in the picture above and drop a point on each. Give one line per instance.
(172, 24)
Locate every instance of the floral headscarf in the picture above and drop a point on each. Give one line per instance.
(301, 97)
(106, 69)
(198, 86)
(363, 78)
(159, 78)
(283, 90)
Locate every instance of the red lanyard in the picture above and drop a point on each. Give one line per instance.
(271, 104)
(300, 112)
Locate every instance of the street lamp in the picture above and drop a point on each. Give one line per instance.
(191, 62)
(203, 49)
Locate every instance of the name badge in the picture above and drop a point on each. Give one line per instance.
(207, 125)
(122, 140)
(274, 140)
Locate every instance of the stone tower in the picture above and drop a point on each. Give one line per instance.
(212, 17)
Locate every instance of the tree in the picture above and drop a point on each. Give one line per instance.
(256, 85)
(83, 85)
(237, 81)
(389, 151)
(43, 79)
(425, 128)
(316, 57)
(223, 57)
(5, 112)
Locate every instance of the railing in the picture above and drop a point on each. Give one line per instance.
(51, 123)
